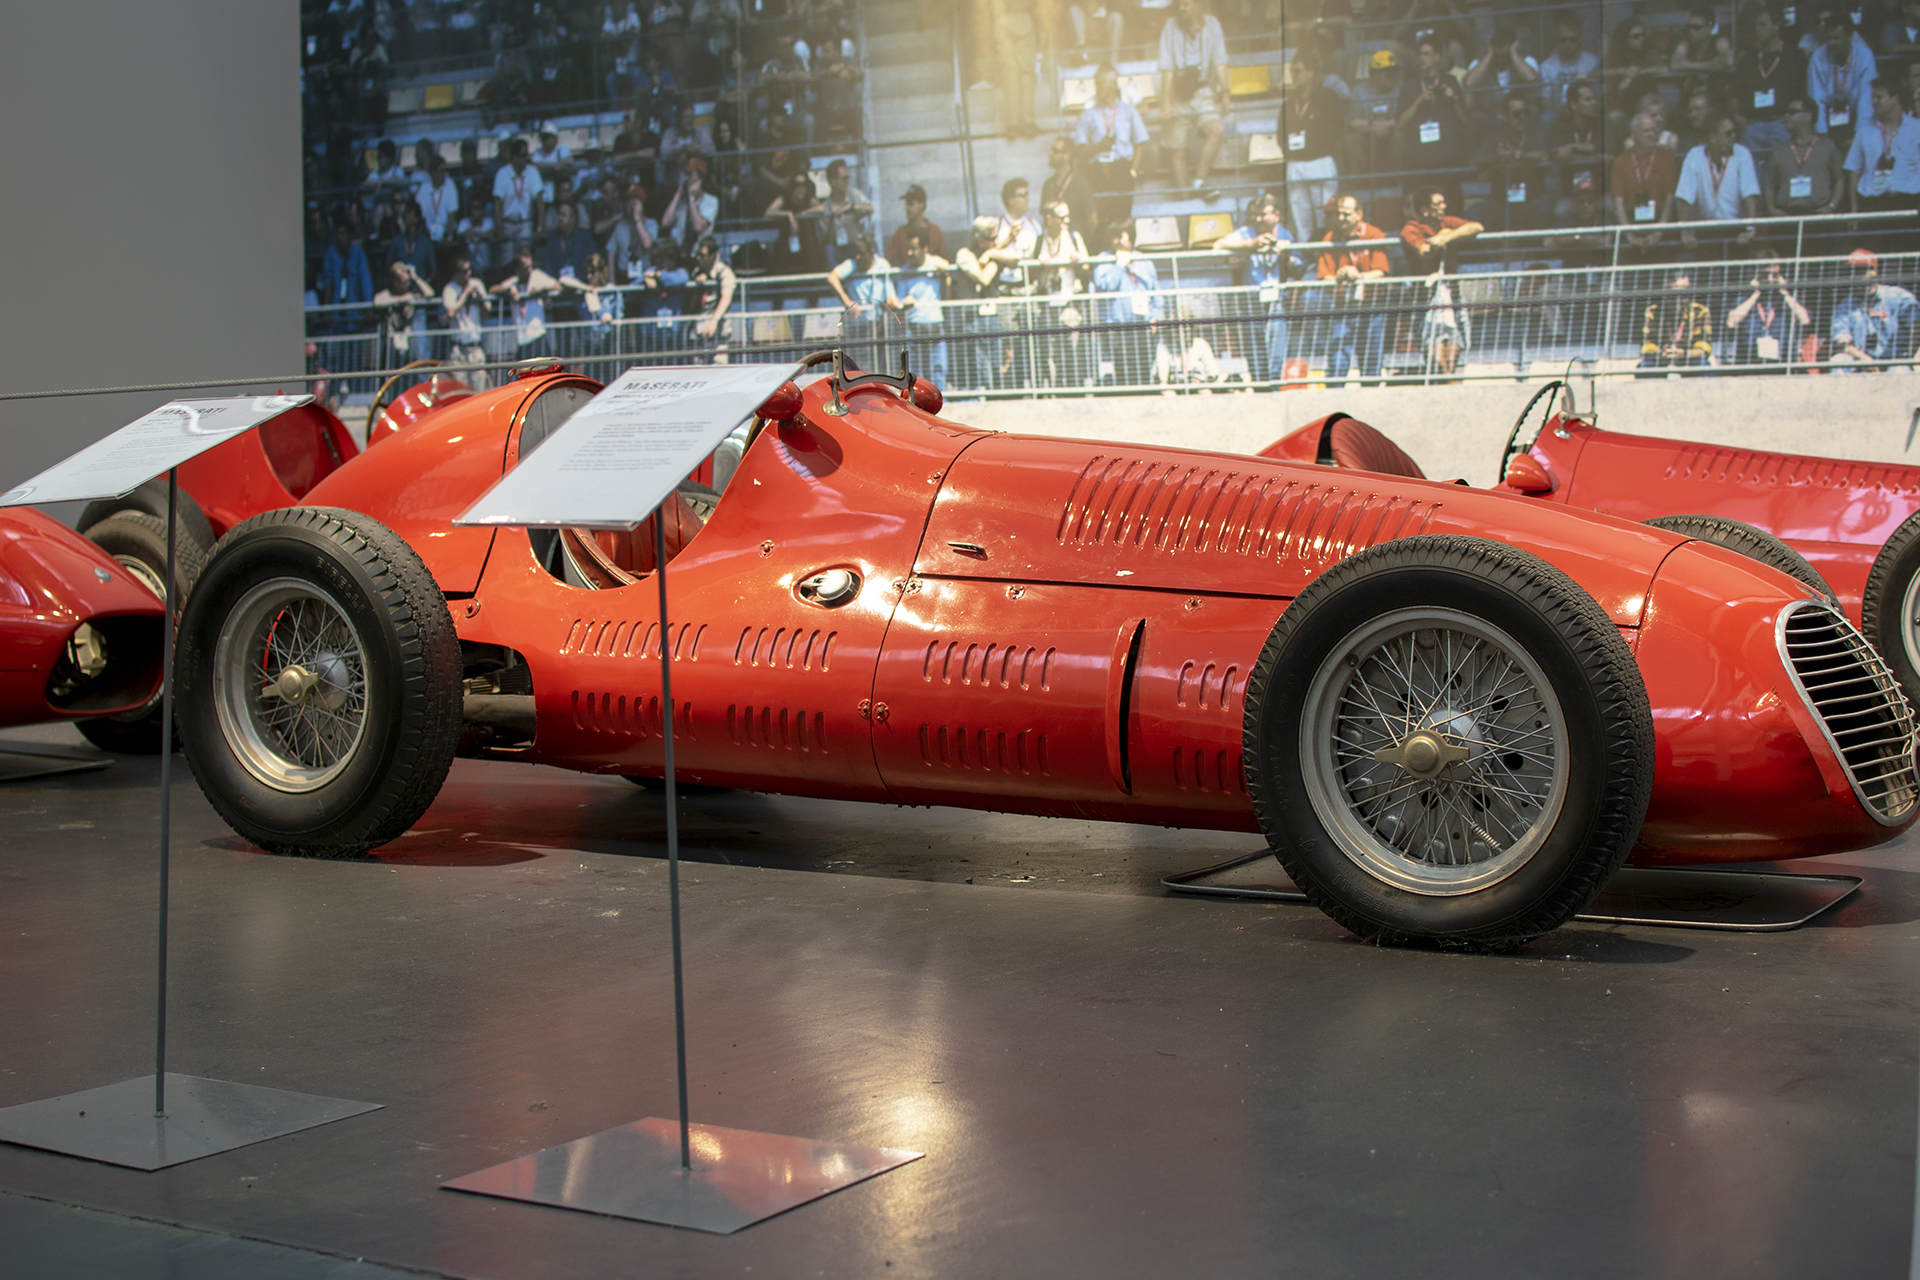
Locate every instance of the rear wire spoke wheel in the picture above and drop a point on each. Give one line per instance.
(1448, 744)
(319, 687)
(1890, 606)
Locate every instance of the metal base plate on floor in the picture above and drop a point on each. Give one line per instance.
(738, 1177)
(1675, 897)
(115, 1124)
(20, 761)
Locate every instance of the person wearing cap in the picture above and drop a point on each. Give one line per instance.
(690, 214)
(630, 244)
(936, 240)
(1105, 138)
(1877, 323)
(1311, 127)
(1373, 106)
(976, 278)
(1805, 174)
(1883, 165)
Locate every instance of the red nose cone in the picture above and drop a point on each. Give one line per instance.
(783, 404)
(927, 396)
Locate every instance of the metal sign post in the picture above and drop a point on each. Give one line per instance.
(190, 1116)
(624, 452)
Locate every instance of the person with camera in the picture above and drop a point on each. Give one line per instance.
(1504, 65)
(397, 300)
(1193, 87)
(1767, 326)
(711, 285)
(526, 289)
(465, 302)
(1433, 114)
(1265, 246)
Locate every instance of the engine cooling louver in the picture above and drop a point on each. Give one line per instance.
(1859, 706)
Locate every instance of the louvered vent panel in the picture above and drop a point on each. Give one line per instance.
(1860, 707)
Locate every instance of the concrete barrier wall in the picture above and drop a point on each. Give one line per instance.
(1457, 431)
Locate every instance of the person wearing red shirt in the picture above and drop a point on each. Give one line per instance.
(1430, 237)
(1352, 329)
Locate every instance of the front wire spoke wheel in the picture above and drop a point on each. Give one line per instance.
(290, 691)
(1435, 748)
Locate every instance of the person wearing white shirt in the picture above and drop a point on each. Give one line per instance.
(465, 301)
(1108, 132)
(1884, 160)
(550, 159)
(1718, 182)
(439, 199)
(518, 190)
(1568, 62)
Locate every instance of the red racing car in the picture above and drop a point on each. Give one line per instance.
(79, 634)
(1446, 738)
(1850, 528)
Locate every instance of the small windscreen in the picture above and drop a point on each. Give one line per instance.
(545, 415)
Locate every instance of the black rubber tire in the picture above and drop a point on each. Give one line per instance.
(1881, 604)
(140, 538)
(1749, 540)
(1609, 773)
(151, 499)
(412, 670)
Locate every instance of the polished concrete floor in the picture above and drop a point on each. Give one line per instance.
(1107, 1080)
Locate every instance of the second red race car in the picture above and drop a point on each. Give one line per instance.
(1452, 716)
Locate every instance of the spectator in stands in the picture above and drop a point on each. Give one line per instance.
(976, 276)
(1432, 236)
(1066, 185)
(1015, 43)
(1312, 125)
(1700, 49)
(684, 139)
(1718, 183)
(864, 285)
(1106, 20)
(661, 297)
(667, 33)
(1676, 330)
(1644, 178)
(1804, 175)
(1512, 156)
(1913, 84)
(400, 316)
(474, 234)
(848, 213)
(916, 299)
(386, 176)
(798, 250)
(836, 80)
(1193, 90)
(568, 247)
(345, 275)
(630, 243)
(1766, 77)
(438, 199)
(390, 217)
(1354, 328)
(1839, 78)
(470, 170)
(690, 214)
(1062, 251)
(1767, 326)
(1568, 62)
(1884, 161)
(526, 289)
(1632, 67)
(1877, 323)
(1015, 233)
(1374, 107)
(464, 301)
(936, 240)
(551, 159)
(1696, 123)
(1505, 64)
(606, 209)
(1582, 214)
(1443, 20)
(731, 168)
(1574, 138)
(1107, 135)
(1134, 303)
(1433, 115)
(517, 194)
(1900, 38)
(413, 246)
(1265, 246)
(601, 307)
(711, 284)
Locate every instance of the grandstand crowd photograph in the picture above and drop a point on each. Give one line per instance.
(1039, 198)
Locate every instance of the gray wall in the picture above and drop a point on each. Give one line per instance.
(153, 217)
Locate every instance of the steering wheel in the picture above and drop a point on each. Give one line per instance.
(1513, 445)
(380, 396)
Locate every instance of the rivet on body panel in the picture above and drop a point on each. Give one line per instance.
(766, 548)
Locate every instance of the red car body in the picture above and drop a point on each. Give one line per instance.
(1054, 626)
(54, 583)
(272, 467)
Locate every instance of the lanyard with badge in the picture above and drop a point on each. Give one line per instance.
(1800, 185)
(1766, 346)
(1645, 210)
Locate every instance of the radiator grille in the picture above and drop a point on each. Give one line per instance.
(1859, 706)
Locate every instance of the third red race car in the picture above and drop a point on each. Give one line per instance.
(1452, 715)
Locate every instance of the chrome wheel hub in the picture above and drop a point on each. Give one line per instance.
(290, 686)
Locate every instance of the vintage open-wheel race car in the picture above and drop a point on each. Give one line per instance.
(80, 633)
(1453, 714)
(1850, 528)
